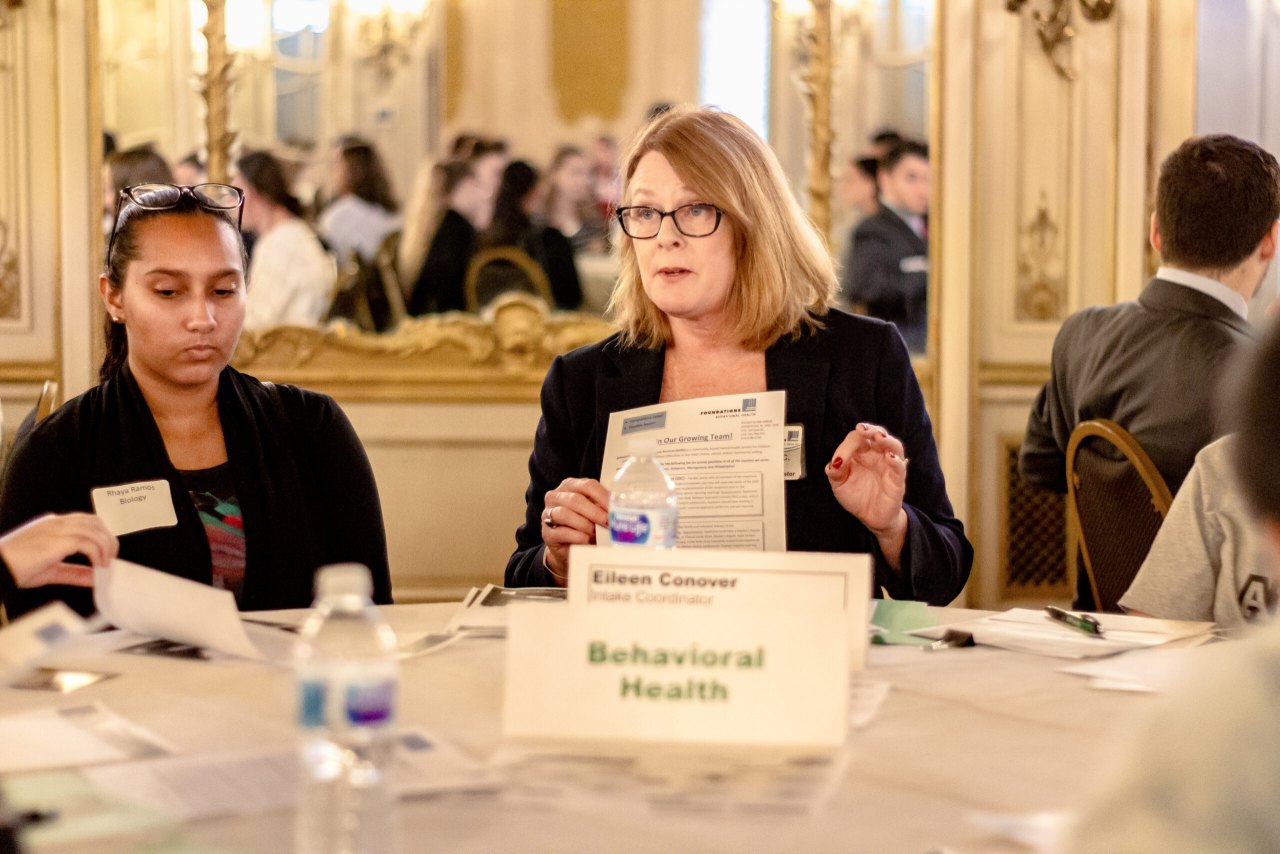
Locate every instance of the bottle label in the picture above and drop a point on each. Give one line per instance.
(311, 696)
(363, 703)
(654, 528)
(370, 703)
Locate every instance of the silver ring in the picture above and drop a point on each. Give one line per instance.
(547, 520)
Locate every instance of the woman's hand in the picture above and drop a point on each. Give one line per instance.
(570, 515)
(868, 475)
(37, 551)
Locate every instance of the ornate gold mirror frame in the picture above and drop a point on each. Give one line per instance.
(503, 354)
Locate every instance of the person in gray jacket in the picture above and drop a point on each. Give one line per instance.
(1154, 365)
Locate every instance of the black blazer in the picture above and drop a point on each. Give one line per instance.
(303, 481)
(1153, 366)
(856, 369)
(441, 283)
(872, 274)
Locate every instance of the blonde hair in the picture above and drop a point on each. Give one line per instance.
(784, 280)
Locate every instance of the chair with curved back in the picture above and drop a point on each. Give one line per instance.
(503, 269)
(45, 402)
(368, 293)
(1117, 500)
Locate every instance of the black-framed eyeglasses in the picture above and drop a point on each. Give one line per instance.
(160, 197)
(641, 222)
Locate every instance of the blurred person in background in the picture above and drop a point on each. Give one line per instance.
(291, 276)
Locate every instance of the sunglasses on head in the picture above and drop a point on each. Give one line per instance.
(160, 197)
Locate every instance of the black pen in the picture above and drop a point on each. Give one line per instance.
(1083, 622)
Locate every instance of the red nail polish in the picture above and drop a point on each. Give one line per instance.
(837, 462)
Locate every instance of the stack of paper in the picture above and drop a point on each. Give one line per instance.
(483, 613)
(1026, 630)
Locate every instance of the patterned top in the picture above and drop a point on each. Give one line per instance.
(214, 493)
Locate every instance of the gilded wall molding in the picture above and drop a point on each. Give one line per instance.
(11, 118)
(10, 279)
(1041, 294)
(589, 58)
(500, 355)
(1055, 29)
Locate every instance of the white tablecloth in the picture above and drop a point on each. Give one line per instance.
(961, 730)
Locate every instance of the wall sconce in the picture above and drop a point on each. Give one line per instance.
(386, 29)
(1055, 30)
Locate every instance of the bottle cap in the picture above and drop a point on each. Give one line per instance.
(343, 579)
(643, 446)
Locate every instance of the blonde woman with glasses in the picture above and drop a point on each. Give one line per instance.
(726, 288)
(205, 472)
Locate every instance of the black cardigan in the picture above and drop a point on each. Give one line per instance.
(303, 481)
(856, 369)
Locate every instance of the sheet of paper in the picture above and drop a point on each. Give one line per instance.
(1028, 630)
(72, 736)
(192, 787)
(725, 455)
(27, 640)
(156, 604)
(664, 782)
(1146, 670)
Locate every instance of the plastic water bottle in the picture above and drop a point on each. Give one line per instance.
(347, 679)
(642, 505)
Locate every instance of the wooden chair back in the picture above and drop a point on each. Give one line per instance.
(1117, 500)
(503, 269)
(47, 400)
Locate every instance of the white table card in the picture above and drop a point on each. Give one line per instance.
(707, 580)
(617, 674)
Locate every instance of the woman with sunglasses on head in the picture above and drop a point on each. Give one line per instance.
(204, 472)
(726, 288)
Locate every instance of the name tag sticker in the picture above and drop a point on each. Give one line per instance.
(132, 507)
(793, 452)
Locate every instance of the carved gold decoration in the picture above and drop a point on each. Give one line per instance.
(385, 33)
(1040, 293)
(1055, 30)
(10, 284)
(589, 62)
(815, 87)
(502, 354)
(214, 89)
(455, 47)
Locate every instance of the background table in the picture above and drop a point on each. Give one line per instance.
(961, 730)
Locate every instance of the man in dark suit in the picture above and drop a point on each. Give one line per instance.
(1154, 365)
(887, 268)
